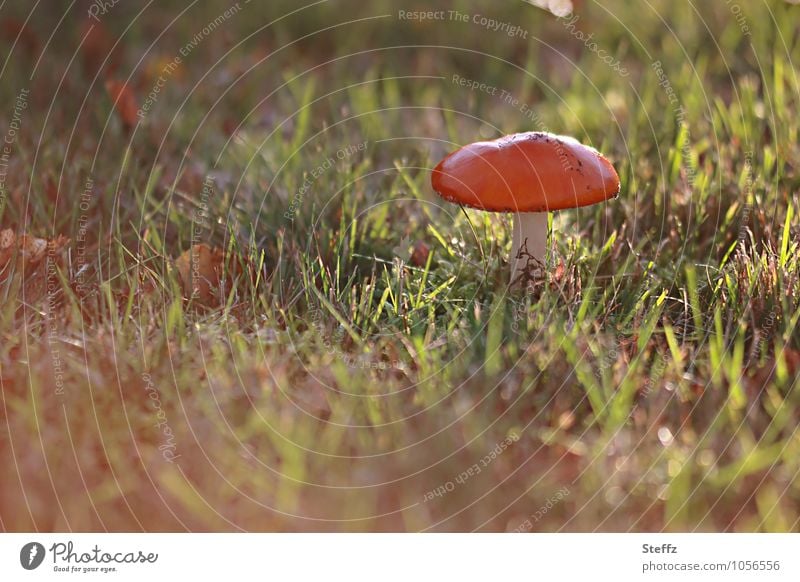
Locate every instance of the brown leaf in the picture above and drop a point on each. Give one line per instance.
(419, 256)
(200, 269)
(124, 102)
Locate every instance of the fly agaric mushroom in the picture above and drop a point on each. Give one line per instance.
(529, 174)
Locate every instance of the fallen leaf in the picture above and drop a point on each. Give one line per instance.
(200, 269)
(419, 255)
(124, 102)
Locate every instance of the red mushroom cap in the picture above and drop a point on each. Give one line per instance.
(526, 172)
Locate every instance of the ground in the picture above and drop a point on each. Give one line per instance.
(232, 301)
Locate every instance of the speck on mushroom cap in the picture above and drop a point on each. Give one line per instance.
(526, 172)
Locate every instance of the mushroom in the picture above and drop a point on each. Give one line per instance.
(529, 174)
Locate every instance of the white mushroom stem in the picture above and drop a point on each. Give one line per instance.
(528, 241)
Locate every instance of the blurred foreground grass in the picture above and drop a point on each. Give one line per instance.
(360, 364)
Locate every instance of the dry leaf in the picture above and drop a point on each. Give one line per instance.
(124, 102)
(419, 255)
(200, 269)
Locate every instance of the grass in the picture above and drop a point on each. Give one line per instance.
(337, 377)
